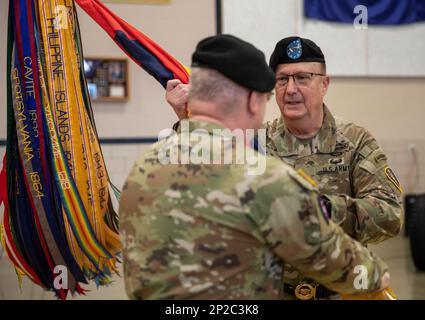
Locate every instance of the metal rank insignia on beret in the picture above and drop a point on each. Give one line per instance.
(294, 49)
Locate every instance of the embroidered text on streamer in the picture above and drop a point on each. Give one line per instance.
(59, 227)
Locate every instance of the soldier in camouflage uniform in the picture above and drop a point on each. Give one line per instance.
(217, 231)
(343, 159)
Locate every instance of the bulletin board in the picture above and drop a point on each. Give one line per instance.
(378, 51)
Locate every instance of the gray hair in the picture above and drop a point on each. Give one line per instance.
(212, 86)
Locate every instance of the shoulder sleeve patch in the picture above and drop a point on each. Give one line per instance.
(389, 173)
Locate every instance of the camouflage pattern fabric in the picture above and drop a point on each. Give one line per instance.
(209, 231)
(352, 170)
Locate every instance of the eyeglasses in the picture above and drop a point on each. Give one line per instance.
(301, 79)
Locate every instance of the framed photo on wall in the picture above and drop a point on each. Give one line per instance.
(107, 79)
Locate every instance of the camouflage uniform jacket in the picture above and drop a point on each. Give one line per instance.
(211, 231)
(349, 167)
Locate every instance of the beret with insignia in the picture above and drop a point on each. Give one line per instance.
(295, 49)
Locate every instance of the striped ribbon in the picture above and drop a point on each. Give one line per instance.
(58, 207)
(80, 146)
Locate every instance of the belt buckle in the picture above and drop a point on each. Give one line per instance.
(305, 291)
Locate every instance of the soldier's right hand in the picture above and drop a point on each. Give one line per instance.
(176, 95)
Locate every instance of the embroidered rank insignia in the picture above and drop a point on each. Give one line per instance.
(392, 178)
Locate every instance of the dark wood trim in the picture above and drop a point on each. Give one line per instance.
(218, 17)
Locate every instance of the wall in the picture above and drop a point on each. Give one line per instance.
(366, 47)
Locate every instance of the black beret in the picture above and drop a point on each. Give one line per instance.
(295, 49)
(238, 60)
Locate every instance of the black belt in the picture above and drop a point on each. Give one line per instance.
(307, 291)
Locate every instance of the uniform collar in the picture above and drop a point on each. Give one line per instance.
(323, 142)
(190, 125)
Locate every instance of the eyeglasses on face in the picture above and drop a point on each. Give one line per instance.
(302, 79)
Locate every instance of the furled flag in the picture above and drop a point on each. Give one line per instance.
(379, 12)
(149, 55)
